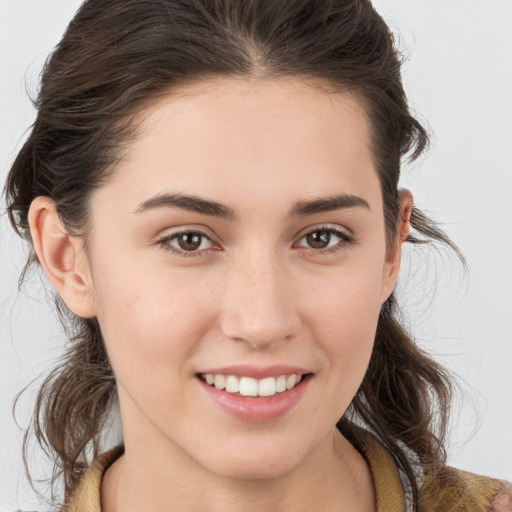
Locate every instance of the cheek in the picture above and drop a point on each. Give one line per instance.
(342, 320)
(342, 313)
(345, 301)
(151, 326)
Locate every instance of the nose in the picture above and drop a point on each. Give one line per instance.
(258, 305)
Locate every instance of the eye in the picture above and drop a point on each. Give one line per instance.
(186, 243)
(325, 239)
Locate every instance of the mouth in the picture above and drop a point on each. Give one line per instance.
(255, 394)
(251, 387)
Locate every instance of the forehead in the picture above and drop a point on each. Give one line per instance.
(220, 137)
(259, 109)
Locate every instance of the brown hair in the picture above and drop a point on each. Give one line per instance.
(115, 57)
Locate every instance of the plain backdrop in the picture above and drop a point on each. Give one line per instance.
(458, 76)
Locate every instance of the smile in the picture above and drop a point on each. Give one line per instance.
(253, 399)
(248, 386)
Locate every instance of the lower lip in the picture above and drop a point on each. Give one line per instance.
(257, 409)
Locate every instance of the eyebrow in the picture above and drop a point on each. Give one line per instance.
(208, 207)
(191, 203)
(328, 204)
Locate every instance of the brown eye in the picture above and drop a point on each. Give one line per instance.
(189, 241)
(325, 240)
(318, 239)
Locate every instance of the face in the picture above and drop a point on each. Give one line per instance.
(241, 236)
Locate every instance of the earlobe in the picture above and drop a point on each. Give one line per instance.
(61, 257)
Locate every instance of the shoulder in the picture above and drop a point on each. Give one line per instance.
(460, 491)
(86, 494)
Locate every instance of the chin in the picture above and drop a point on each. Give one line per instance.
(256, 464)
(248, 470)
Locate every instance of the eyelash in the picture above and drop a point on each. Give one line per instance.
(345, 240)
(164, 243)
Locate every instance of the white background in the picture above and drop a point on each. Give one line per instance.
(459, 79)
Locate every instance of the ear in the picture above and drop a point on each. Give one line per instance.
(394, 253)
(62, 257)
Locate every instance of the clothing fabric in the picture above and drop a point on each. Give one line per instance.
(451, 490)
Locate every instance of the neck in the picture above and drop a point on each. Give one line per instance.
(150, 478)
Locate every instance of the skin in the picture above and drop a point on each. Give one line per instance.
(256, 293)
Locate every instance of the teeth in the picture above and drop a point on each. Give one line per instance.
(247, 386)
(267, 387)
(219, 381)
(232, 384)
(281, 384)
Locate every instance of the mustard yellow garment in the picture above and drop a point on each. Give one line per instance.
(450, 491)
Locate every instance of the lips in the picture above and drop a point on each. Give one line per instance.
(255, 394)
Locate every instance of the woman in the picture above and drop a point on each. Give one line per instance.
(212, 189)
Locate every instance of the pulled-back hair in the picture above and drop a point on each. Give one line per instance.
(118, 56)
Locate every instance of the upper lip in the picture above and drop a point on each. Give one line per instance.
(245, 370)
